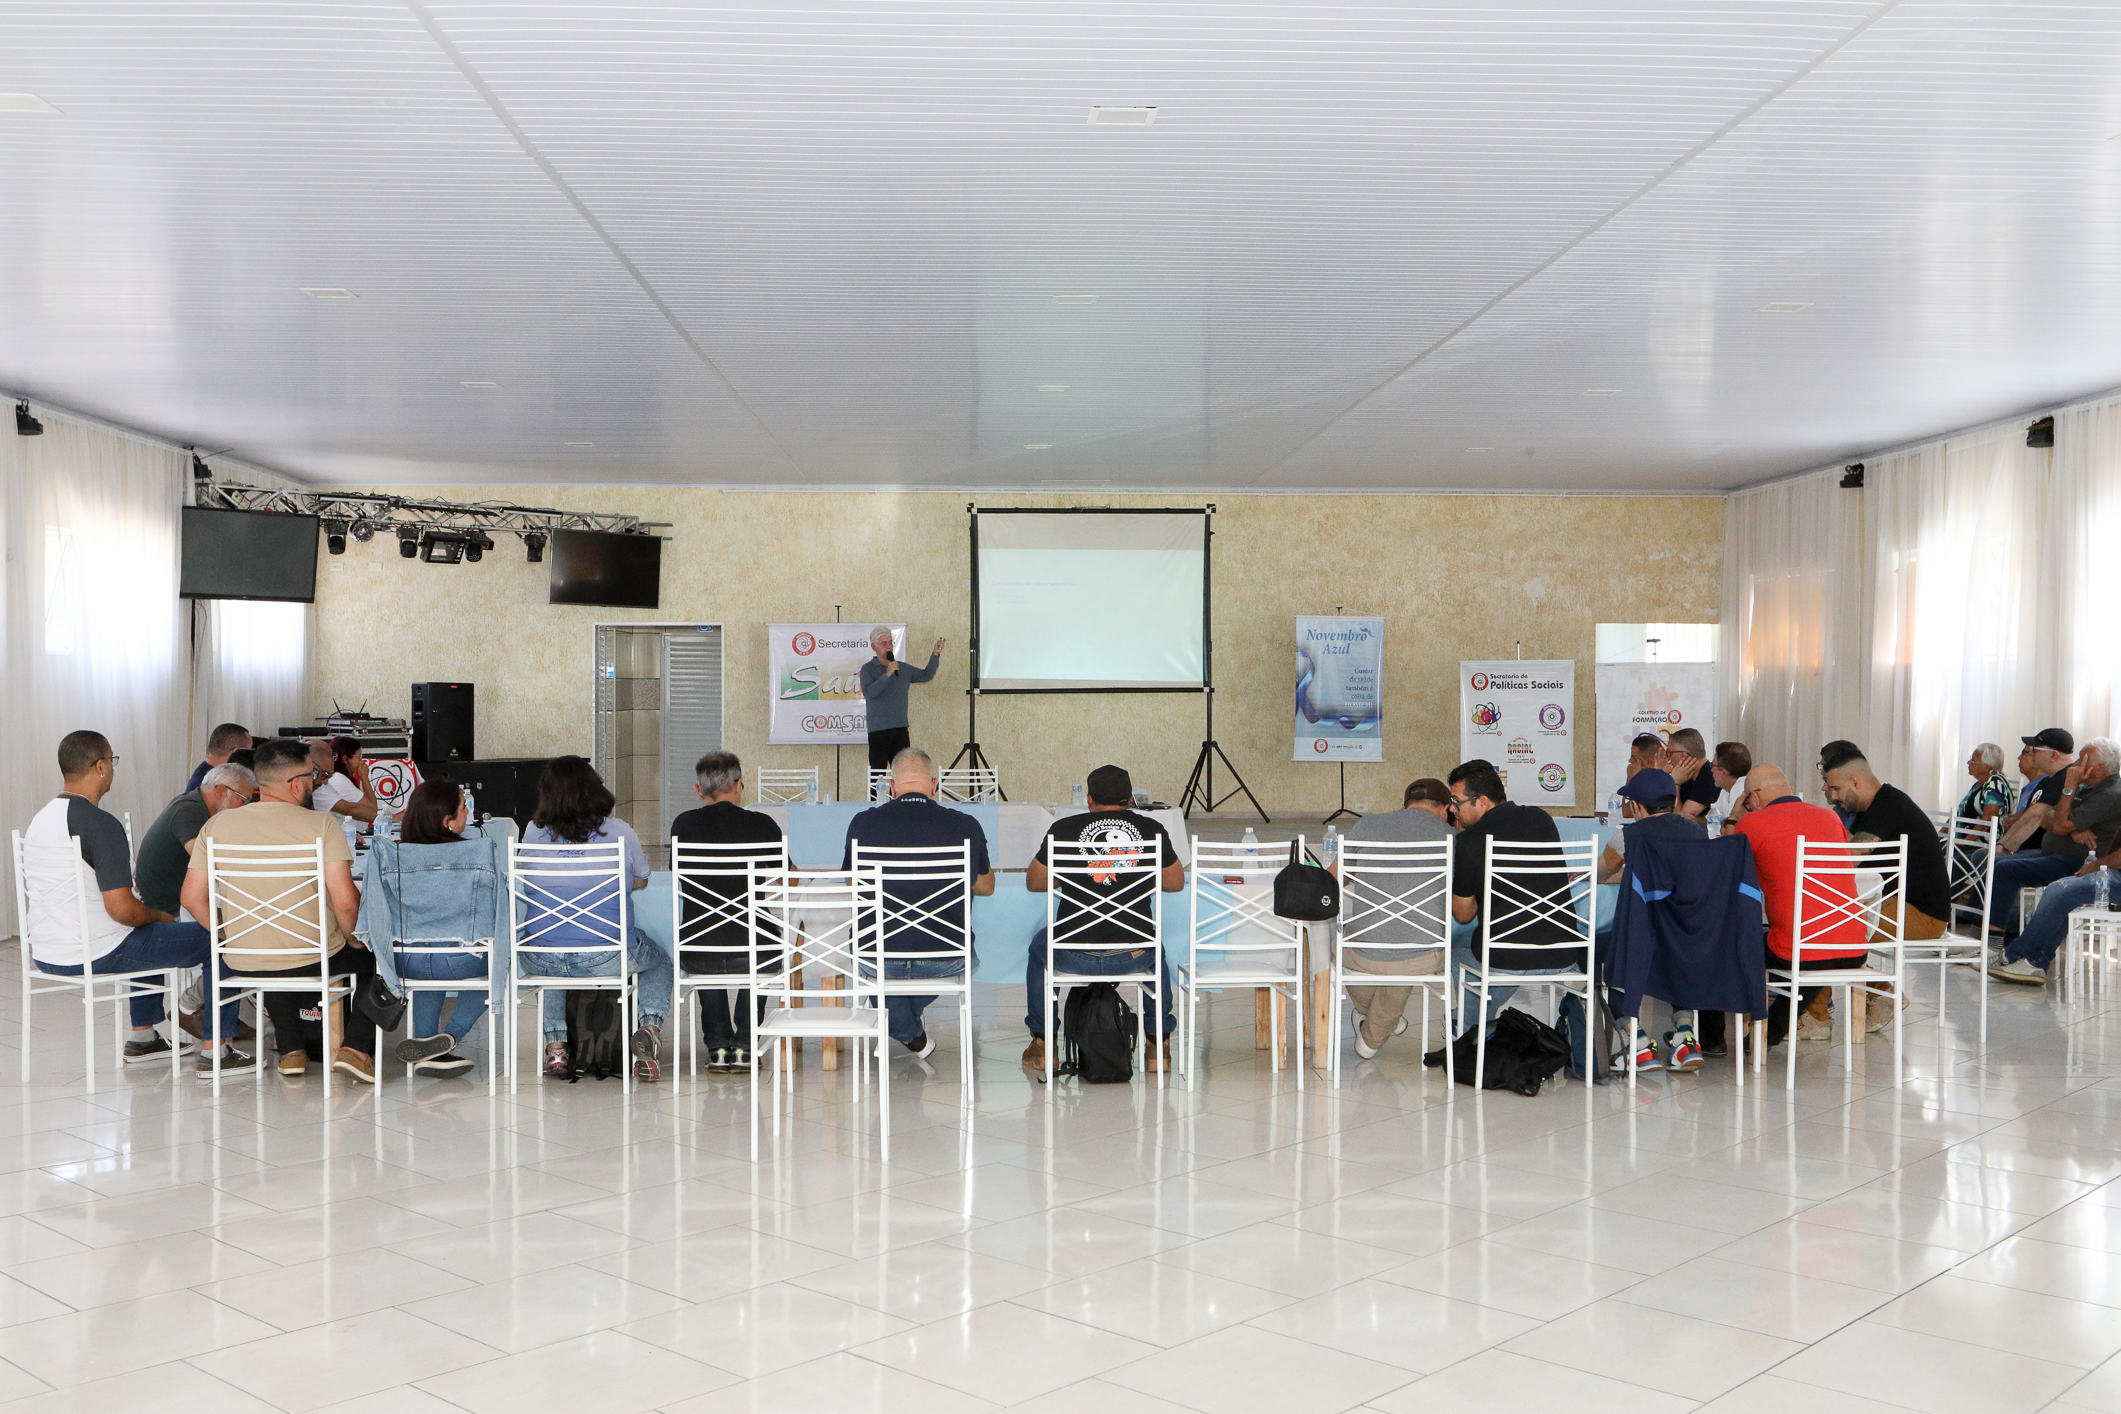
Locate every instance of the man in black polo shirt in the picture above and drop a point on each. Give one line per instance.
(725, 1032)
(1484, 812)
(1689, 766)
(937, 922)
(1884, 813)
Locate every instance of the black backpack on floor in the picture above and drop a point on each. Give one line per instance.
(1522, 1054)
(594, 1046)
(1098, 1032)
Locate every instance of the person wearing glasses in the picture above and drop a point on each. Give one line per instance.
(165, 850)
(282, 816)
(125, 934)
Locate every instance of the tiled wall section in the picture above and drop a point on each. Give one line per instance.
(1455, 576)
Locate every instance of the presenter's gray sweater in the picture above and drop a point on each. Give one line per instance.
(886, 692)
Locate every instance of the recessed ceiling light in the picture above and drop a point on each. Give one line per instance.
(1600, 392)
(1051, 388)
(1783, 306)
(1480, 449)
(478, 383)
(328, 292)
(1084, 485)
(1075, 299)
(1038, 446)
(1121, 117)
(578, 444)
(24, 103)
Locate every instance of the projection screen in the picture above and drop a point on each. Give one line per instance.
(1091, 601)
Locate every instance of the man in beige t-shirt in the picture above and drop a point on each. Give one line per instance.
(282, 816)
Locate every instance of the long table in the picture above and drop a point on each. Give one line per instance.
(817, 834)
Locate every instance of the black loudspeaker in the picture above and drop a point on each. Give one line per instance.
(441, 722)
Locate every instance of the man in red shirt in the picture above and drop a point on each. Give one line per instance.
(1774, 820)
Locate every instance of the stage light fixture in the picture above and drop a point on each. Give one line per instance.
(1852, 477)
(335, 536)
(26, 424)
(534, 546)
(476, 545)
(408, 542)
(200, 471)
(364, 531)
(440, 548)
(2041, 433)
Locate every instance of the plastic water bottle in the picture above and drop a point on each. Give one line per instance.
(1249, 846)
(810, 792)
(1331, 848)
(1081, 801)
(1614, 814)
(1715, 823)
(2102, 890)
(471, 805)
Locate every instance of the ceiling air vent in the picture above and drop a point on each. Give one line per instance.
(1122, 117)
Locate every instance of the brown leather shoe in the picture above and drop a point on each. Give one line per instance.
(348, 1061)
(1159, 1056)
(1035, 1054)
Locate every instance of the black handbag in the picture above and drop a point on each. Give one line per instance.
(1305, 892)
(374, 1000)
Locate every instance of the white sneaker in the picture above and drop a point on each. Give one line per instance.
(2019, 971)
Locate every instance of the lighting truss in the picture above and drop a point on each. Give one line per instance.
(390, 514)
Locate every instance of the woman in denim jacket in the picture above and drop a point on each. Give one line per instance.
(432, 888)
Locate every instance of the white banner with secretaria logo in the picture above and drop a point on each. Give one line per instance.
(1521, 715)
(814, 677)
(1340, 690)
(1657, 698)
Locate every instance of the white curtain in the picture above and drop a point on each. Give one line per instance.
(1793, 614)
(1956, 551)
(250, 664)
(2079, 667)
(93, 626)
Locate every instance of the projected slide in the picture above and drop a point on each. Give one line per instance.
(1090, 601)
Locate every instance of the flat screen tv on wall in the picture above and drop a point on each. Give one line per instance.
(248, 555)
(613, 571)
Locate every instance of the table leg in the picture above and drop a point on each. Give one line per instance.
(1321, 1017)
(1262, 1035)
(829, 1046)
(1279, 1006)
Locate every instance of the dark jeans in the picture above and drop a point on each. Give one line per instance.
(2024, 871)
(2048, 928)
(1778, 1012)
(1093, 964)
(904, 1012)
(427, 1006)
(725, 1023)
(285, 1008)
(154, 945)
(883, 745)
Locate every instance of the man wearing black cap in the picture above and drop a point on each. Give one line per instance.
(2060, 851)
(1119, 831)
(2046, 756)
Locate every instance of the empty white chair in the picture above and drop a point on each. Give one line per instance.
(1832, 892)
(1970, 857)
(879, 784)
(269, 910)
(926, 917)
(1107, 900)
(825, 982)
(58, 906)
(969, 784)
(567, 898)
(1397, 890)
(1235, 943)
(787, 786)
(1540, 892)
(723, 935)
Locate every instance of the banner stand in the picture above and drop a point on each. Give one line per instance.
(1344, 810)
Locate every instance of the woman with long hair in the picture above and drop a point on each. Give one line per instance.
(574, 807)
(435, 816)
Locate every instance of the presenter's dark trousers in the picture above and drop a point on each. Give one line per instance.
(886, 744)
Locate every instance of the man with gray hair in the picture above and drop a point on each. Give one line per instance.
(721, 819)
(884, 681)
(2086, 818)
(165, 850)
(936, 920)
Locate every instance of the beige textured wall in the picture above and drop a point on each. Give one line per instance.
(1455, 577)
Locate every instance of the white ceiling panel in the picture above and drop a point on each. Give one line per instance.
(820, 243)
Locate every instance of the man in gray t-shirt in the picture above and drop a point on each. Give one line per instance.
(1379, 1011)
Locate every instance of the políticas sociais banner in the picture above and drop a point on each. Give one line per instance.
(1521, 716)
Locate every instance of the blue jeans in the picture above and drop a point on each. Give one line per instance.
(2023, 871)
(427, 1006)
(905, 1011)
(1569, 1012)
(1091, 964)
(646, 963)
(2048, 928)
(156, 945)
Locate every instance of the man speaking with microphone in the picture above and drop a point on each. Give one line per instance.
(884, 682)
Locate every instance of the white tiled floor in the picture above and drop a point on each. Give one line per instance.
(1951, 1246)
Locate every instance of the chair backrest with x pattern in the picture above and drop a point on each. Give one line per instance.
(1970, 856)
(1104, 895)
(51, 896)
(829, 953)
(268, 901)
(1838, 887)
(879, 785)
(925, 902)
(718, 899)
(786, 787)
(1535, 886)
(1391, 888)
(568, 897)
(967, 784)
(1233, 899)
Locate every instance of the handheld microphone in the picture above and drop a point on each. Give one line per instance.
(888, 657)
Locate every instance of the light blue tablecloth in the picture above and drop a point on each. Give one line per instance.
(817, 834)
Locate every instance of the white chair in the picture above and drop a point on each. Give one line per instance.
(60, 909)
(927, 893)
(1102, 898)
(828, 983)
(1391, 886)
(879, 785)
(787, 787)
(269, 910)
(1235, 943)
(1830, 894)
(969, 784)
(568, 898)
(1541, 886)
(723, 888)
(1970, 858)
